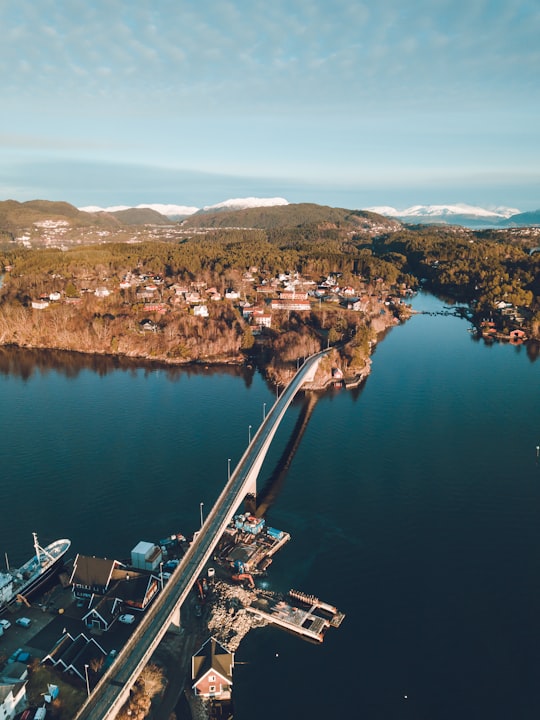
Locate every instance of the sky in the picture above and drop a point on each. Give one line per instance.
(343, 103)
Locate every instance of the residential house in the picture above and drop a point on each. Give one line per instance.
(102, 292)
(136, 590)
(298, 305)
(145, 294)
(148, 325)
(292, 295)
(232, 294)
(40, 304)
(74, 655)
(357, 305)
(12, 699)
(200, 311)
(93, 576)
(155, 307)
(263, 319)
(14, 673)
(103, 614)
(517, 336)
(211, 671)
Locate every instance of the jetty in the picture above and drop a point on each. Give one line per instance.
(310, 621)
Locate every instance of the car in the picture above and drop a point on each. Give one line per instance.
(5, 624)
(14, 656)
(127, 619)
(23, 622)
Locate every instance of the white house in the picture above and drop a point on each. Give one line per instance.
(12, 699)
(102, 292)
(200, 311)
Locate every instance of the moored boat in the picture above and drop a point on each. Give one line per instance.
(23, 582)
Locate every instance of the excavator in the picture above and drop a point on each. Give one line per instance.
(240, 577)
(20, 599)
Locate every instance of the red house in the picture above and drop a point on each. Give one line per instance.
(211, 671)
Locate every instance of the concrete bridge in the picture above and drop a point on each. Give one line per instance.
(113, 689)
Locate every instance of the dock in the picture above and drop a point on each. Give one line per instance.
(310, 622)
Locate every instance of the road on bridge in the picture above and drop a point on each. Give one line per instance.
(113, 689)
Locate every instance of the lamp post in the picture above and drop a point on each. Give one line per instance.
(200, 510)
(161, 573)
(228, 468)
(87, 682)
(249, 434)
(264, 411)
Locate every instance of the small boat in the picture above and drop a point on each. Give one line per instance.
(21, 583)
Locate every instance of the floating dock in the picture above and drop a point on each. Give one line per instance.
(310, 622)
(248, 545)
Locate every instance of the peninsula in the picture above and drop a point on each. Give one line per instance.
(266, 285)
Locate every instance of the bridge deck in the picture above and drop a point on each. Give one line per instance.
(113, 689)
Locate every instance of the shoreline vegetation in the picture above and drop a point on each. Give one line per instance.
(264, 287)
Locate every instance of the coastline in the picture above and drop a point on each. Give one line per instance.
(59, 354)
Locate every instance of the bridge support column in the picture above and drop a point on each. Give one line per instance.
(175, 626)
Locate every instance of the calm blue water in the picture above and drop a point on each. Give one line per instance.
(412, 503)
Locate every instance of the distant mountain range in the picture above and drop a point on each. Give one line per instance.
(257, 213)
(457, 214)
(178, 212)
(461, 214)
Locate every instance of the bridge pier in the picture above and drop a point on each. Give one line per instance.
(175, 626)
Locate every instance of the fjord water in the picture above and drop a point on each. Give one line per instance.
(412, 502)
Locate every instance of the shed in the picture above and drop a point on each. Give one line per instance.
(146, 556)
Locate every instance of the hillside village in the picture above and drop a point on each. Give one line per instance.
(272, 284)
(140, 314)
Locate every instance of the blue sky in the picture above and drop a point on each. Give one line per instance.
(348, 103)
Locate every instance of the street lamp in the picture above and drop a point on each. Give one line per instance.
(264, 411)
(228, 468)
(200, 509)
(87, 682)
(249, 434)
(161, 573)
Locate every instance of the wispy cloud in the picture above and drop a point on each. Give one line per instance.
(251, 84)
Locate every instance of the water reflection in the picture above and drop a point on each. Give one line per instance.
(23, 363)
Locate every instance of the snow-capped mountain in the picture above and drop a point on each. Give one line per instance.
(175, 212)
(170, 211)
(245, 203)
(457, 214)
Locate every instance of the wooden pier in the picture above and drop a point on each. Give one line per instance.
(311, 622)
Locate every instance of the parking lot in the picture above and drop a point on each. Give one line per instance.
(50, 617)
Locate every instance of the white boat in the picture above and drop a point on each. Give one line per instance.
(25, 581)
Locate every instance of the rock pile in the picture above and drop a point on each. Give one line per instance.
(229, 622)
